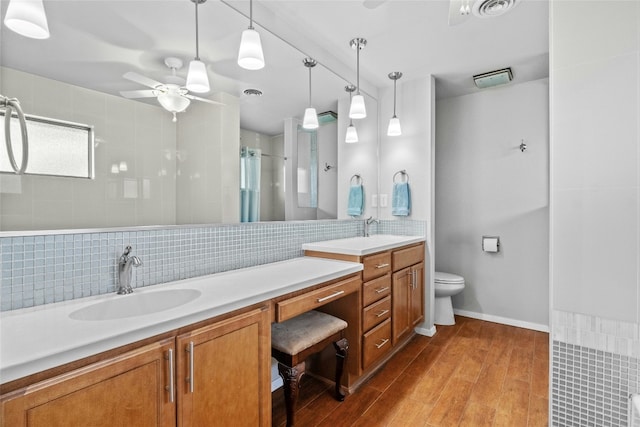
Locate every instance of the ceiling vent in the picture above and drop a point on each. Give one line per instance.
(493, 78)
(491, 8)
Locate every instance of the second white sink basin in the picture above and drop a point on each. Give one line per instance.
(136, 304)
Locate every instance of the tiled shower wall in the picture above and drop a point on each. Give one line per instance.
(595, 368)
(43, 269)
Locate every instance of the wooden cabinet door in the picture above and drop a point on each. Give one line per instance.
(223, 373)
(127, 390)
(416, 313)
(401, 287)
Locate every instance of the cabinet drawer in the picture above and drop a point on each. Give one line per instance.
(297, 305)
(376, 265)
(376, 289)
(405, 257)
(376, 313)
(376, 343)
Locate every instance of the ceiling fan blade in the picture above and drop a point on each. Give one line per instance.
(372, 4)
(197, 98)
(456, 17)
(138, 78)
(147, 93)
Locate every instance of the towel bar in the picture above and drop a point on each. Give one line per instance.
(403, 173)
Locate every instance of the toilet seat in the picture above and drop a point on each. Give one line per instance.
(448, 278)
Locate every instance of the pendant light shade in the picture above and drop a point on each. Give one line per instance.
(250, 56)
(394, 128)
(310, 120)
(27, 18)
(197, 79)
(352, 134)
(358, 109)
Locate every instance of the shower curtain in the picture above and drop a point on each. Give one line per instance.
(249, 184)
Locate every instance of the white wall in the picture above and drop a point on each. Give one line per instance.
(595, 158)
(128, 131)
(486, 186)
(208, 167)
(412, 151)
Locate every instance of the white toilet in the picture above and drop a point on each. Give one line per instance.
(446, 285)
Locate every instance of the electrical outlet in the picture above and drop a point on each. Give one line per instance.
(374, 200)
(383, 200)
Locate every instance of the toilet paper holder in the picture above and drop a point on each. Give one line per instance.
(491, 243)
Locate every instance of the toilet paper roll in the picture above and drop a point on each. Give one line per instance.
(490, 244)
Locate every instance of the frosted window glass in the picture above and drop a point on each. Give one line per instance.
(55, 147)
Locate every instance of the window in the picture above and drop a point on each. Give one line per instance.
(56, 147)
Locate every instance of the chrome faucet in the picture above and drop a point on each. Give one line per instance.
(124, 271)
(367, 223)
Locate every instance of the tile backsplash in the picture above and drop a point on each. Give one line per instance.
(53, 267)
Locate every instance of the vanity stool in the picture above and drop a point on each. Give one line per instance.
(293, 340)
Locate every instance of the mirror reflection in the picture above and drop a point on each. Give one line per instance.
(97, 69)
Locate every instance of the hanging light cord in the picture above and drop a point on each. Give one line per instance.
(350, 119)
(358, 66)
(197, 50)
(251, 14)
(395, 81)
(309, 86)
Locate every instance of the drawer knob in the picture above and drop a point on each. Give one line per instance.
(381, 290)
(328, 297)
(386, 264)
(384, 341)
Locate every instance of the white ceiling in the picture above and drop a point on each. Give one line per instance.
(94, 42)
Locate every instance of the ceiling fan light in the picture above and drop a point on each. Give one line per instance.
(358, 110)
(352, 134)
(197, 80)
(310, 120)
(27, 18)
(250, 56)
(394, 128)
(173, 103)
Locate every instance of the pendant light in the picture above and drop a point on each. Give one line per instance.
(310, 120)
(358, 110)
(394, 124)
(250, 56)
(352, 133)
(197, 80)
(27, 18)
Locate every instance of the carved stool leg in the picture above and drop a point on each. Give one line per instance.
(291, 377)
(342, 349)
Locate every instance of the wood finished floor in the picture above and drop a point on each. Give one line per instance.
(473, 374)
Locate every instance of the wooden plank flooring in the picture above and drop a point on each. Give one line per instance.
(473, 374)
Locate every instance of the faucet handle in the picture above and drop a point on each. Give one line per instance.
(127, 250)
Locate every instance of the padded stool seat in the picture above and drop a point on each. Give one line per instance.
(293, 340)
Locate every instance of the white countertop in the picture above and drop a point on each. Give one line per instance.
(362, 245)
(38, 338)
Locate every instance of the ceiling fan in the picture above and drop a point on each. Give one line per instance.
(172, 95)
(460, 10)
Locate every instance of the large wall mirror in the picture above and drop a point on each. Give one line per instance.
(229, 161)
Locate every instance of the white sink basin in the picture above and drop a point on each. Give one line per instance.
(136, 304)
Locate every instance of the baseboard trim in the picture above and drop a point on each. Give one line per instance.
(503, 320)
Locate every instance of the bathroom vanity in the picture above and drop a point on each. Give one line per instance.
(206, 358)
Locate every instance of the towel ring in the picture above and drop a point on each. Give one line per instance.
(358, 179)
(403, 173)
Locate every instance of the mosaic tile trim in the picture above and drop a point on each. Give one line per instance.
(591, 388)
(43, 269)
(595, 332)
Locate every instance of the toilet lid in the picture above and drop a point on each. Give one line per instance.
(448, 278)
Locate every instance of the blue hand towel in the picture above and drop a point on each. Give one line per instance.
(401, 199)
(356, 198)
